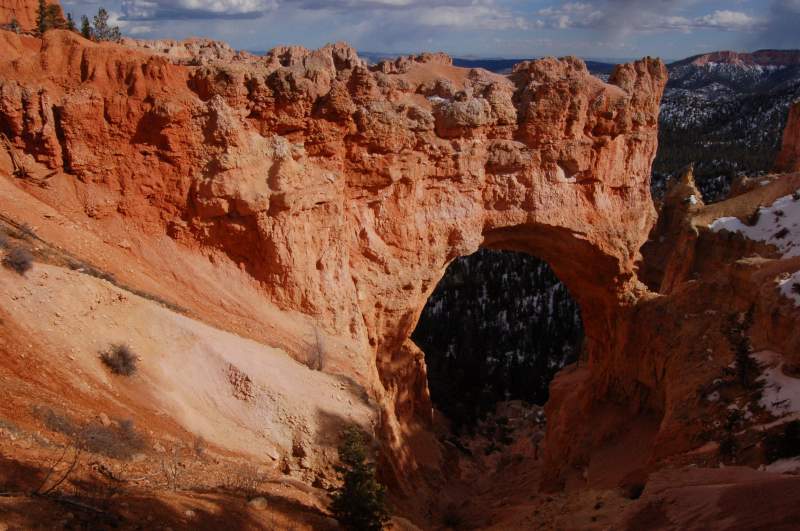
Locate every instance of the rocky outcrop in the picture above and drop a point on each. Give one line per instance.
(195, 51)
(345, 191)
(789, 156)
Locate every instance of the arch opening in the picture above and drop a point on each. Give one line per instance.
(496, 328)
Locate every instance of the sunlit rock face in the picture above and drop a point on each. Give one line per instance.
(789, 156)
(345, 190)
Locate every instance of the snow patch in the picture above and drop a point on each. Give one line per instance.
(781, 393)
(437, 100)
(778, 224)
(784, 466)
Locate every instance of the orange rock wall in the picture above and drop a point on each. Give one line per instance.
(789, 156)
(346, 190)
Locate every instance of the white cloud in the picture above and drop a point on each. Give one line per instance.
(475, 16)
(632, 15)
(460, 14)
(140, 30)
(727, 20)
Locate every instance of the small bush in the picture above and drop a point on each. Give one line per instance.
(19, 259)
(26, 231)
(781, 234)
(360, 503)
(120, 359)
(57, 422)
(117, 442)
(752, 219)
(796, 195)
(739, 342)
(244, 479)
(120, 441)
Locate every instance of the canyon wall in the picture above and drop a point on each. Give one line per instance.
(345, 190)
(789, 156)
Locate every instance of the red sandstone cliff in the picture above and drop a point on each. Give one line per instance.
(346, 191)
(789, 156)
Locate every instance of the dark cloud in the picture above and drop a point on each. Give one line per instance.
(194, 9)
(782, 28)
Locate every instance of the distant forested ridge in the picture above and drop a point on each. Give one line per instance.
(498, 327)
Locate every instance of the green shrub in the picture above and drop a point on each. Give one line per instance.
(739, 342)
(360, 503)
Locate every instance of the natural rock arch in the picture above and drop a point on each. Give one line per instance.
(345, 190)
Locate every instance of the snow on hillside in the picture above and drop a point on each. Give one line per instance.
(778, 224)
(781, 393)
(725, 118)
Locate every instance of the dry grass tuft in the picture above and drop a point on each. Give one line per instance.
(120, 359)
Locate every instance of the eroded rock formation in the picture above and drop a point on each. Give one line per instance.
(346, 190)
(789, 156)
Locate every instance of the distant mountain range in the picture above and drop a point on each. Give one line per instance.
(497, 65)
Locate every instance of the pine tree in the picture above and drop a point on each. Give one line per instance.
(360, 503)
(739, 341)
(41, 17)
(102, 31)
(70, 22)
(53, 17)
(86, 27)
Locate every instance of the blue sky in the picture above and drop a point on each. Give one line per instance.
(671, 29)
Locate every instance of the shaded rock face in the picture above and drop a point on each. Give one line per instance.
(789, 156)
(346, 191)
